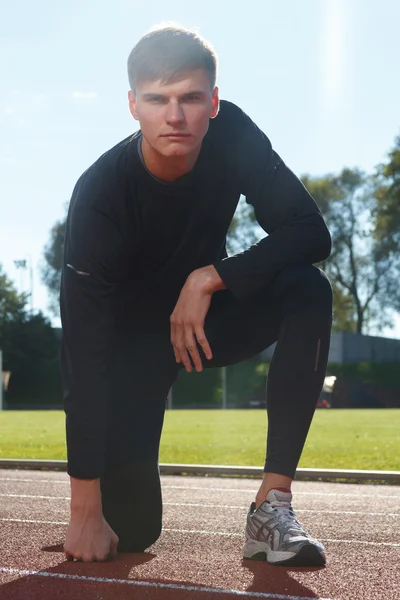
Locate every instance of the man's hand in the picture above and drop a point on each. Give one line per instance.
(187, 319)
(90, 538)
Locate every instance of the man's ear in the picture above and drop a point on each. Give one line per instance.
(132, 105)
(215, 103)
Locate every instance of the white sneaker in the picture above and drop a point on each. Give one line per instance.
(274, 534)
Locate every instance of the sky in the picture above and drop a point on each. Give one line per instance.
(319, 77)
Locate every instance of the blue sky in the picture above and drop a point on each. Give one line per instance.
(318, 76)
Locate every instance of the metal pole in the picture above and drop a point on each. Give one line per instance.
(21, 264)
(31, 281)
(224, 389)
(22, 280)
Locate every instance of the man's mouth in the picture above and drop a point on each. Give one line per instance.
(176, 135)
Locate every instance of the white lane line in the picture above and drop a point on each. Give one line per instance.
(224, 506)
(66, 481)
(205, 532)
(33, 496)
(359, 495)
(34, 521)
(297, 510)
(151, 584)
(364, 542)
(295, 492)
(227, 534)
(214, 489)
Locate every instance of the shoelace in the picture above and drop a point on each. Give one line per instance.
(287, 514)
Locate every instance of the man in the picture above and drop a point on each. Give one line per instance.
(148, 289)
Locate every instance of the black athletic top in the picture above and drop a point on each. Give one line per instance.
(132, 240)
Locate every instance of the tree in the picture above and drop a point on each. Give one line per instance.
(11, 303)
(387, 230)
(244, 229)
(23, 336)
(360, 266)
(387, 194)
(363, 215)
(51, 269)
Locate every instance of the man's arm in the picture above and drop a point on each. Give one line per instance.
(92, 263)
(89, 279)
(284, 209)
(92, 267)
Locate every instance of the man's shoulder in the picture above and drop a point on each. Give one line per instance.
(230, 123)
(231, 114)
(234, 138)
(108, 170)
(99, 184)
(226, 107)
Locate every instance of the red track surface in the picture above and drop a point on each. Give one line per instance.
(199, 553)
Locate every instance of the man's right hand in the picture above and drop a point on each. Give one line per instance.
(90, 538)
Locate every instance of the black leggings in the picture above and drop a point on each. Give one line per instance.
(295, 311)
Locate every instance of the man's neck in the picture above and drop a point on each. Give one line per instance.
(170, 168)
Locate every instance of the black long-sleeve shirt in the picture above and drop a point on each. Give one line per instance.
(132, 240)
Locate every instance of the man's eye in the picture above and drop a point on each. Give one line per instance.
(193, 97)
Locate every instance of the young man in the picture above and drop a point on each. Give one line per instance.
(148, 289)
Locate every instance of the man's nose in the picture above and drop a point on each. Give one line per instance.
(174, 113)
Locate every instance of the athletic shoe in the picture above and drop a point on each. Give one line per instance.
(274, 534)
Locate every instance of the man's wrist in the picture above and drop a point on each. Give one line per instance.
(208, 279)
(85, 496)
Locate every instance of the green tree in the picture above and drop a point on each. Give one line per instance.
(360, 267)
(387, 230)
(244, 229)
(387, 194)
(11, 303)
(23, 336)
(51, 268)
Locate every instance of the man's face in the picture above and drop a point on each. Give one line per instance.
(174, 117)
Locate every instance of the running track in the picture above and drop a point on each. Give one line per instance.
(199, 553)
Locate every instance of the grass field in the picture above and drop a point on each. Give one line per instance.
(348, 439)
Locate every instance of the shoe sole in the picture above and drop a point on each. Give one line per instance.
(308, 556)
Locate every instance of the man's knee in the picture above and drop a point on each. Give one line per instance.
(139, 536)
(132, 504)
(319, 283)
(304, 284)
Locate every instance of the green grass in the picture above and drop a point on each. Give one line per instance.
(348, 439)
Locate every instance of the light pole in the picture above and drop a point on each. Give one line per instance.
(23, 264)
(31, 281)
(224, 389)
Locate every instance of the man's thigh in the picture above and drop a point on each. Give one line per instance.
(239, 329)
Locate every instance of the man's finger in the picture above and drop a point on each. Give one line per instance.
(173, 342)
(192, 348)
(68, 555)
(185, 360)
(181, 348)
(201, 338)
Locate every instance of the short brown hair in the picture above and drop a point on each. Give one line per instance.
(168, 50)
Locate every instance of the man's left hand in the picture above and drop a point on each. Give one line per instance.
(188, 317)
